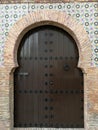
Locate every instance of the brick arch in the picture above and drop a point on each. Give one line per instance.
(57, 18)
(30, 21)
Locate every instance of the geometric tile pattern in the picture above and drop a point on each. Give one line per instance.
(43, 1)
(86, 13)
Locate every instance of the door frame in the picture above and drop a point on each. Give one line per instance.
(30, 21)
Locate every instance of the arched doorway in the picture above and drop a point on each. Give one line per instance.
(48, 84)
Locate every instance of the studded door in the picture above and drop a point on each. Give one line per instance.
(48, 88)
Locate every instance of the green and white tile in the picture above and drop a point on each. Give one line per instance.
(86, 13)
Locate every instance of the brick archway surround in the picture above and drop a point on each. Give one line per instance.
(76, 30)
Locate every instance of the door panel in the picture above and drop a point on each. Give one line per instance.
(48, 86)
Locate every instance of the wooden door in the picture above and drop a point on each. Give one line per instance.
(48, 86)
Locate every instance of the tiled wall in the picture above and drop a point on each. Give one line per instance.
(44, 1)
(86, 13)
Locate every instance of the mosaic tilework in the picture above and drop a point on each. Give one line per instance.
(85, 13)
(44, 1)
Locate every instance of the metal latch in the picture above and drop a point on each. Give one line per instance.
(23, 73)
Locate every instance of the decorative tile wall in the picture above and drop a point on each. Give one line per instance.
(43, 1)
(86, 13)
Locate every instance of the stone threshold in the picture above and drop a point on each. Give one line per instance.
(49, 128)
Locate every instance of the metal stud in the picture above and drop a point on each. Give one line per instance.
(36, 91)
(61, 57)
(76, 91)
(67, 126)
(46, 91)
(30, 124)
(41, 124)
(46, 125)
(46, 83)
(51, 99)
(66, 91)
(61, 91)
(20, 91)
(51, 74)
(51, 66)
(35, 58)
(51, 42)
(56, 125)
(41, 91)
(41, 58)
(82, 108)
(71, 125)
(50, 57)
(46, 66)
(46, 58)
(51, 108)
(82, 83)
(66, 67)
(81, 91)
(25, 125)
(77, 125)
(51, 116)
(82, 117)
(46, 42)
(66, 58)
(46, 99)
(72, 91)
(36, 125)
(46, 116)
(51, 34)
(46, 74)
(30, 91)
(51, 50)
(46, 108)
(46, 51)
(51, 83)
(25, 91)
(56, 58)
(61, 125)
(71, 57)
(56, 91)
(51, 91)
(51, 125)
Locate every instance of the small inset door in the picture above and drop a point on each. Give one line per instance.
(48, 86)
